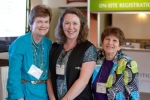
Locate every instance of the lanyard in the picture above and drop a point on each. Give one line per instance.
(38, 53)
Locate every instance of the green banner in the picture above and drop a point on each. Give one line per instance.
(120, 5)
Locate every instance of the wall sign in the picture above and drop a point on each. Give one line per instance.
(119, 5)
(70, 1)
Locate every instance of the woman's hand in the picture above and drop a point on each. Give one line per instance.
(80, 84)
(50, 89)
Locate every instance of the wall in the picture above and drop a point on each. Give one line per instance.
(35, 2)
(93, 29)
(134, 26)
(56, 13)
(105, 20)
(57, 4)
(63, 3)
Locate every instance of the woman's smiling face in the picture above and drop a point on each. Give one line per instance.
(71, 26)
(111, 45)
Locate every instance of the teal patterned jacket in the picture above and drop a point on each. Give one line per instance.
(122, 82)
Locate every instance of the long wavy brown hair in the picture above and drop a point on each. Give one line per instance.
(83, 33)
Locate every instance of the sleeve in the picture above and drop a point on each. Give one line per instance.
(131, 80)
(90, 54)
(14, 86)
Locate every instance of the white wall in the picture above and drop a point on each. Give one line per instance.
(134, 26)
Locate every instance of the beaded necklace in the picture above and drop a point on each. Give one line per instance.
(38, 52)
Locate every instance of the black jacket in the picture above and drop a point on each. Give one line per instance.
(72, 74)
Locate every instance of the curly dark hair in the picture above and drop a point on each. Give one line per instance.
(40, 11)
(115, 31)
(84, 30)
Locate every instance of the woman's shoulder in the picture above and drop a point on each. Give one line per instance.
(56, 44)
(20, 41)
(85, 44)
(47, 40)
(127, 58)
(129, 61)
(88, 42)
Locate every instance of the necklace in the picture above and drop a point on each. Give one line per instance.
(38, 54)
(33, 42)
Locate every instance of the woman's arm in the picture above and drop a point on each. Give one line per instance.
(16, 54)
(79, 85)
(50, 89)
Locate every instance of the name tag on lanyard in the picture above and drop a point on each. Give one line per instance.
(101, 88)
(60, 71)
(35, 71)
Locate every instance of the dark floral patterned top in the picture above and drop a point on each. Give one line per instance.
(90, 55)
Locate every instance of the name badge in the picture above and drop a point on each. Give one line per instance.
(101, 88)
(35, 71)
(60, 70)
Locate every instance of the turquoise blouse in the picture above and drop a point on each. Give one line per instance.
(22, 54)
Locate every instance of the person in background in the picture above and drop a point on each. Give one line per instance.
(115, 76)
(72, 58)
(29, 59)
